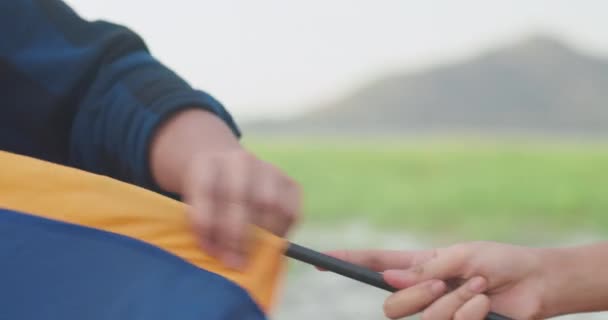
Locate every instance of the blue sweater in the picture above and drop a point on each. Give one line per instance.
(84, 94)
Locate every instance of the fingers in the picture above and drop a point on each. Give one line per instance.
(202, 206)
(232, 233)
(381, 260)
(200, 214)
(475, 309)
(231, 220)
(466, 302)
(275, 199)
(414, 299)
(289, 205)
(263, 198)
(229, 192)
(443, 265)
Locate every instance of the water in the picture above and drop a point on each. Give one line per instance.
(311, 294)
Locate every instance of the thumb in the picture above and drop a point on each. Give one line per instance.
(445, 264)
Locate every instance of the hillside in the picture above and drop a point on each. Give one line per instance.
(539, 85)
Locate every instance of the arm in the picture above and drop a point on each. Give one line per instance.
(577, 279)
(90, 95)
(86, 94)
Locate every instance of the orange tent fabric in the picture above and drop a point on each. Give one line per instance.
(62, 193)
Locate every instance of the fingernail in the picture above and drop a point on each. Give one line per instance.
(437, 287)
(477, 284)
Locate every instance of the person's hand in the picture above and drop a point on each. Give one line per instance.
(227, 189)
(461, 282)
(230, 190)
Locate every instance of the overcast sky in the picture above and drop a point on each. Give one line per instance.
(267, 58)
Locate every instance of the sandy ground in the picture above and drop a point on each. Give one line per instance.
(310, 294)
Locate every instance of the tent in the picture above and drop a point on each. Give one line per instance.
(75, 245)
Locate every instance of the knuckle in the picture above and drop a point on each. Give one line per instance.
(463, 294)
(418, 268)
(460, 254)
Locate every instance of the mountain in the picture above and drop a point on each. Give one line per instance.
(539, 85)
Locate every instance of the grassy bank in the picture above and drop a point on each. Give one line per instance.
(474, 190)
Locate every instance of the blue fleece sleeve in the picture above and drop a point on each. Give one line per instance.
(85, 94)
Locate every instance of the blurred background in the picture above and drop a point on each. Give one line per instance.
(409, 124)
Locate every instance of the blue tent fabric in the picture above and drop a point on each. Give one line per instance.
(55, 270)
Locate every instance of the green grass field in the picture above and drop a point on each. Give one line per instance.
(476, 190)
